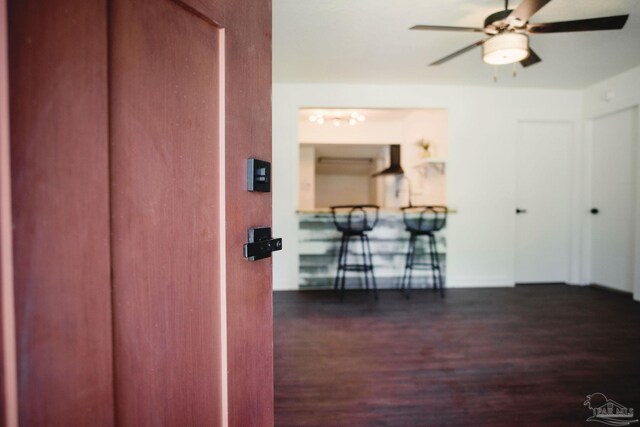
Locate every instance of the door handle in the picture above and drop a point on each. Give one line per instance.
(594, 211)
(520, 211)
(261, 244)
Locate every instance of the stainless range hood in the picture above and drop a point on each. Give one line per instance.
(394, 168)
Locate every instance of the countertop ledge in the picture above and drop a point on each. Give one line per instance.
(396, 211)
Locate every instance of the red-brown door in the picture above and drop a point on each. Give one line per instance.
(131, 124)
(60, 203)
(8, 383)
(190, 102)
(248, 134)
(165, 99)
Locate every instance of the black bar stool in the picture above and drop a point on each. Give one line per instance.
(423, 221)
(355, 221)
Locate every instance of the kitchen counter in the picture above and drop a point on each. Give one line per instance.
(320, 242)
(382, 210)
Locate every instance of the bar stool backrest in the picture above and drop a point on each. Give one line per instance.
(355, 218)
(425, 218)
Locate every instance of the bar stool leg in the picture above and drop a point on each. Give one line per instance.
(437, 267)
(410, 260)
(373, 277)
(339, 268)
(344, 266)
(412, 248)
(414, 253)
(406, 265)
(365, 262)
(432, 261)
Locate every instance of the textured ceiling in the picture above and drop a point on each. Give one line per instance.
(368, 41)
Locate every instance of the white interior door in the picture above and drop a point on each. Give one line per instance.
(612, 194)
(543, 198)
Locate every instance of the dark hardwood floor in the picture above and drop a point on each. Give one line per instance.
(523, 356)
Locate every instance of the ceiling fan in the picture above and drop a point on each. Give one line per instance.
(509, 31)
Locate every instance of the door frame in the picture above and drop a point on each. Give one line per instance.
(585, 270)
(8, 367)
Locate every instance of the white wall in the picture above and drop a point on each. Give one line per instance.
(610, 96)
(481, 166)
(363, 133)
(428, 185)
(307, 180)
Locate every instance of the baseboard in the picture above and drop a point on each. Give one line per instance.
(610, 289)
(540, 283)
(479, 282)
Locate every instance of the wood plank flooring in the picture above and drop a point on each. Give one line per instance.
(523, 356)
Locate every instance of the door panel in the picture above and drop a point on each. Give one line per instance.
(140, 171)
(613, 190)
(165, 142)
(543, 191)
(60, 188)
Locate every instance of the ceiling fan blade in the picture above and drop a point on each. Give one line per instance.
(526, 9)
(446, 28)
(459, 52)
(593, 24)
(533, 58)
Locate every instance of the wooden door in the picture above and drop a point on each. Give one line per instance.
(165, 95)
(543, 200)
(190, 102)
(60, 198)
(8, 383)
(128, 150)
(613, 178)
(248, 287)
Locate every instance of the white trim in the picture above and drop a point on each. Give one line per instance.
(479, 281)
(588, 202)
(636, 250)
(577, 217)
(484, 284)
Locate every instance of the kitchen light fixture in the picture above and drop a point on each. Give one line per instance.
(505, 48)
(337, 119)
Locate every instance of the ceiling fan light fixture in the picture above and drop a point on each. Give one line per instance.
(505, 48)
